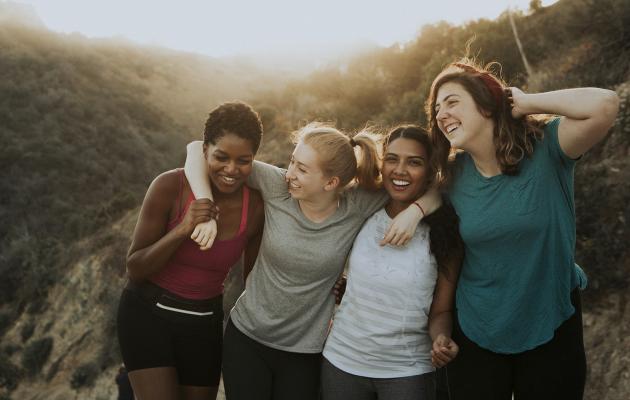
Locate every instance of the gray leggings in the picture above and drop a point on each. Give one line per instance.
(340, 385)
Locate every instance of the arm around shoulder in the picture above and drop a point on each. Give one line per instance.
(255, 225)
(196, 170)
(152, 243)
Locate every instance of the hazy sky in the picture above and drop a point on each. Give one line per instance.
(231, 27)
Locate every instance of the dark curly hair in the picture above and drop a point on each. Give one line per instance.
(445, 242)
(237, 118)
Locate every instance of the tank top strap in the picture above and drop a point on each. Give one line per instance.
(245, 210)
(177, 216)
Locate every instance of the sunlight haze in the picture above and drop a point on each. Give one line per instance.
(222, 28)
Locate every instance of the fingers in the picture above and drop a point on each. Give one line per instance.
(196, 232)
(209, 234)
(204, 234)
(394, 237)
(444, 350)
(204, 207)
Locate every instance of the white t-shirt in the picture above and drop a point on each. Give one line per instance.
(381, 327)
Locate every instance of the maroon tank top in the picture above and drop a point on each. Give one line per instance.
(196, 274)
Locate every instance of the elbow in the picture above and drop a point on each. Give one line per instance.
(609, 108)
(194, 146)
(133, 271)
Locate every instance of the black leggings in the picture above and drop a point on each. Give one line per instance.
(555, 370)
(254, 371)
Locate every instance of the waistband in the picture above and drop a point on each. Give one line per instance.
(162, 298)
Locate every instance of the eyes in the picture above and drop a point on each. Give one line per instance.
(240, 161)
(449, 103)
(299, 166)
(392, 160)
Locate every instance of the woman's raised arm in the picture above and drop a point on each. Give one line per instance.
(588, 114)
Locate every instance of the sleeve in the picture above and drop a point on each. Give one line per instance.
(268, 179)
(553, 144)
(366, 202)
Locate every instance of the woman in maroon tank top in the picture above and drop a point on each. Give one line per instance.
(170, 314)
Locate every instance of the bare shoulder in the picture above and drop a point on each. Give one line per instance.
(165, 187)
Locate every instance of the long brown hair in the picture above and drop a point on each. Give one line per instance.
(513, 138)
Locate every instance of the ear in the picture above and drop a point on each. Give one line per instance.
(484, 112)
(332, 184)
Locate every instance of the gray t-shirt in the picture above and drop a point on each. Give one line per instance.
(287, 303)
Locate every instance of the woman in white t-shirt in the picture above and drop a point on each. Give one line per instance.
(276, 331)
(394, 323)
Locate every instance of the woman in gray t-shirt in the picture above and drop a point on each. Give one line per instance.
(276, 332)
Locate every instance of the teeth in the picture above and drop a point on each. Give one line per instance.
(451, 128)
(293, 185)
(227, 179)
(399, 182)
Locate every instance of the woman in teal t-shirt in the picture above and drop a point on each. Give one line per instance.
(510, 178)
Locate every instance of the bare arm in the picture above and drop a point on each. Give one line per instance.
(251, 253)
(588, 114)
(404, 225)
(196, 171)
(441, 316)
(197, 175)
(152, 245)
(256, 222)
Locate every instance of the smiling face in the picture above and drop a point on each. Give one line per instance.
(405, 170)
(459, 118)
(305, 178)
(229, 162)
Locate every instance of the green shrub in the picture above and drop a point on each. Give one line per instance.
(10, 374)
(36, 354)
(84, 375)
(27, 331)
(6, 319)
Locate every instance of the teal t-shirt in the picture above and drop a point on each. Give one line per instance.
(519, 234)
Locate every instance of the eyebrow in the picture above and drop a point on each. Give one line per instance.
(223, 153)
(437, 106)
(298, 162)
(396, 155)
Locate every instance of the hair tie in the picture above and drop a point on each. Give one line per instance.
(352, 142)
(495, 88)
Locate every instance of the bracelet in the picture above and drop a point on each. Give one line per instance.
(421, 209)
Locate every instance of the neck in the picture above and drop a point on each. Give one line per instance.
(483, 153)
(317, 210)
(394, 207)
(221, 196)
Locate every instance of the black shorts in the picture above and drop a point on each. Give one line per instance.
(159, 329)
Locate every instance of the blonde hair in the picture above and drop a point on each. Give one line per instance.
(337, 156)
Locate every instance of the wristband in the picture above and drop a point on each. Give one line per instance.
(421, 209)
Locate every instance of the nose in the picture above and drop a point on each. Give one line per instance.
(441, 114)
(290, 174)
(399, 169)
(231, 167)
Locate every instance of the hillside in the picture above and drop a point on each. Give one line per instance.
(86, 124)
